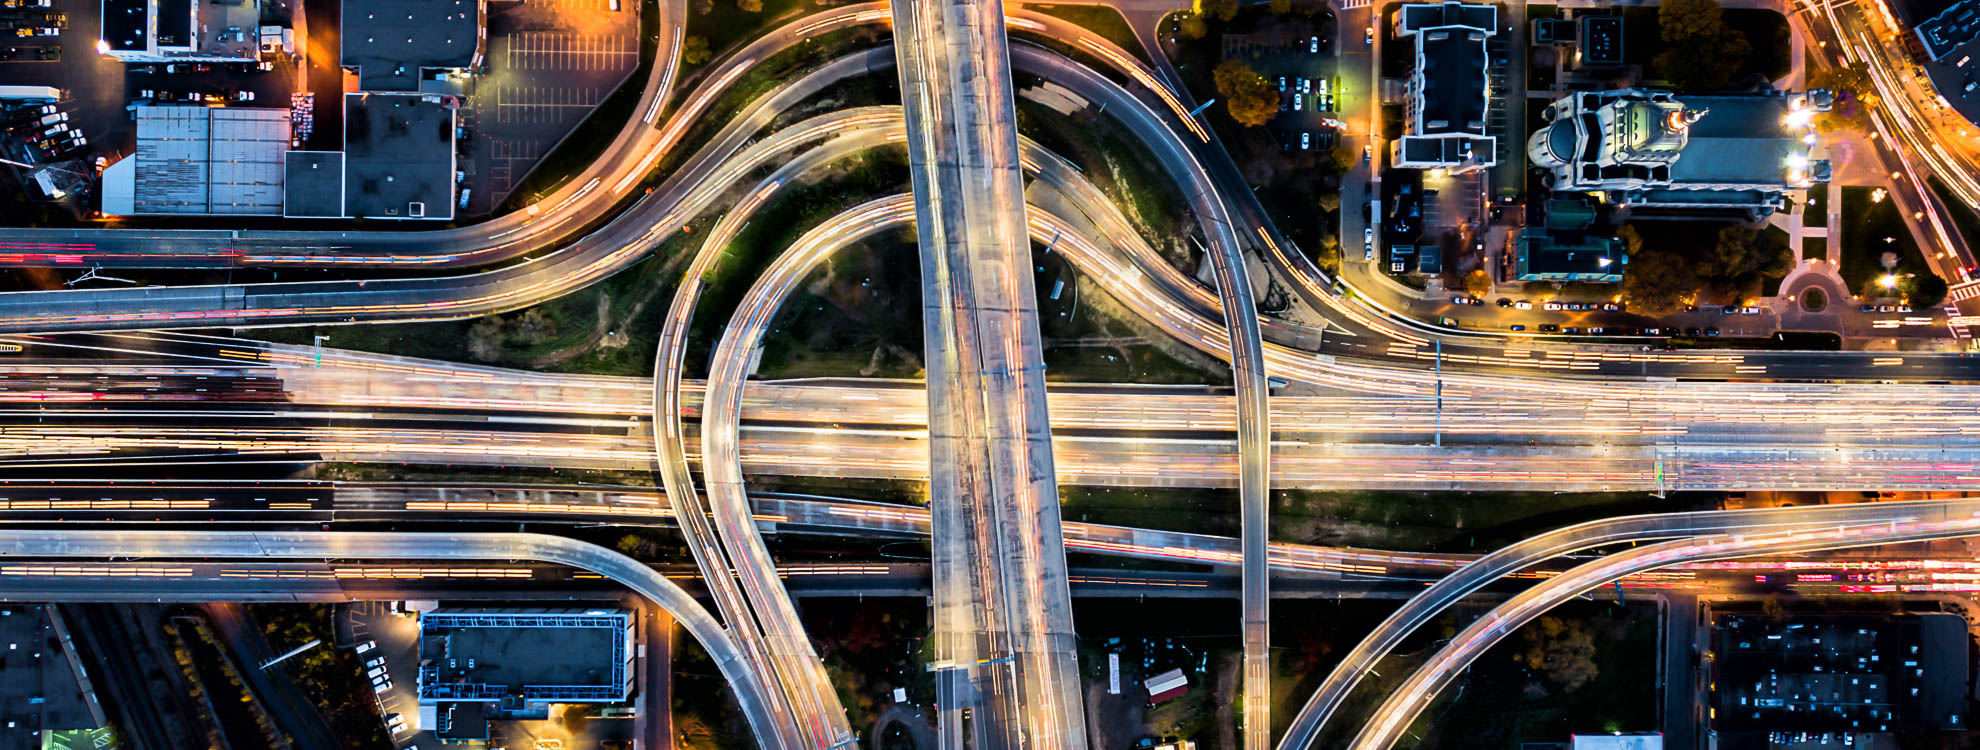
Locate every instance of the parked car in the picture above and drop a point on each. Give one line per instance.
(1522, 305)
(1551, 306)
(1505, 302)
(1549, 328)
(1518, 327)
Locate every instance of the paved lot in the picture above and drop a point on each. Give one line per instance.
(548, 64)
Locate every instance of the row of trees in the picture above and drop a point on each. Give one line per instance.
(1701, 52)
(1660, 280)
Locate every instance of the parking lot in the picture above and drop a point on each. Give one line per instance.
(548, 64)
(389, 641)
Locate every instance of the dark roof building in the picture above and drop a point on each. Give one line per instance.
(1836, 675)
(1952, 27)
(519, 660)
(396, 44)
(1448, 89)
(398, 156)
(313, 185)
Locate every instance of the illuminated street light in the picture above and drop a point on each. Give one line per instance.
(1887, 281)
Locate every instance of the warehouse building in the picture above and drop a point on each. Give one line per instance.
(481, 664)
(399, 156)
(201, 160)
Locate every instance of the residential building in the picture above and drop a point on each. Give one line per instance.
(1448, 91)
(1565, 247)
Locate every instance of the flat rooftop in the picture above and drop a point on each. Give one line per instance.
(1951, 28)
(398, 156)
(313, 185)
(390, 41)
(210, 160)
(540, 654)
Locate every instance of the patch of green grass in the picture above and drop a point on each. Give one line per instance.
(1105, 155)
(1419, 521)
(1963, 216)
(726, 25)
(1866, 227)
(1499, 702)
(1814, 248)
(1816, 213)
(1100, 19)
(792, 212)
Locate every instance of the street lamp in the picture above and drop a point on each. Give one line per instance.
(1887, 281)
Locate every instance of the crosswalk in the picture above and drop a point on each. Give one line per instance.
(1352, 4)
(1963, 291)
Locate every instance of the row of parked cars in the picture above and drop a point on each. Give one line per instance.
(1617, 331)
(43, 133)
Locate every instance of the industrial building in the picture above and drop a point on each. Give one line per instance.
(1659, 151)
(181, 30)
(481, 664)
(201, 160)
(1835, 680)
(1448, 91)
(399, 156)
(412, 45)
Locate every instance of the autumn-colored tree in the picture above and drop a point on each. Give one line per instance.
(1563, 650)
(1657, 282)
(1248, 97)
(1855, 96)
(1222, 10)
(694, 50)
(1279, 7)
(1478, 283)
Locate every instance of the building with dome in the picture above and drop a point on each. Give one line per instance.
(1661, 151)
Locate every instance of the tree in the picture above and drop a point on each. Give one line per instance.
(1925, 290)
(1329, 256)
(694, 50)
(1744, 254)
(1191, 25)
(1279, 7)
(484, 339)
(1478, 282)
(1563, 650)
(1330, 202)
(1701, 52)
(1222, 10)
(1248, 97)
(1855, 96)
(1657, 282)
(750, 6)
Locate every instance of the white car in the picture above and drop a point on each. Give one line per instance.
(366, 646)
(1522, 305)
(1305, 141)
(1313, 45)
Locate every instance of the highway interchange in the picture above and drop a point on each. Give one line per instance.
(1380, 400)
